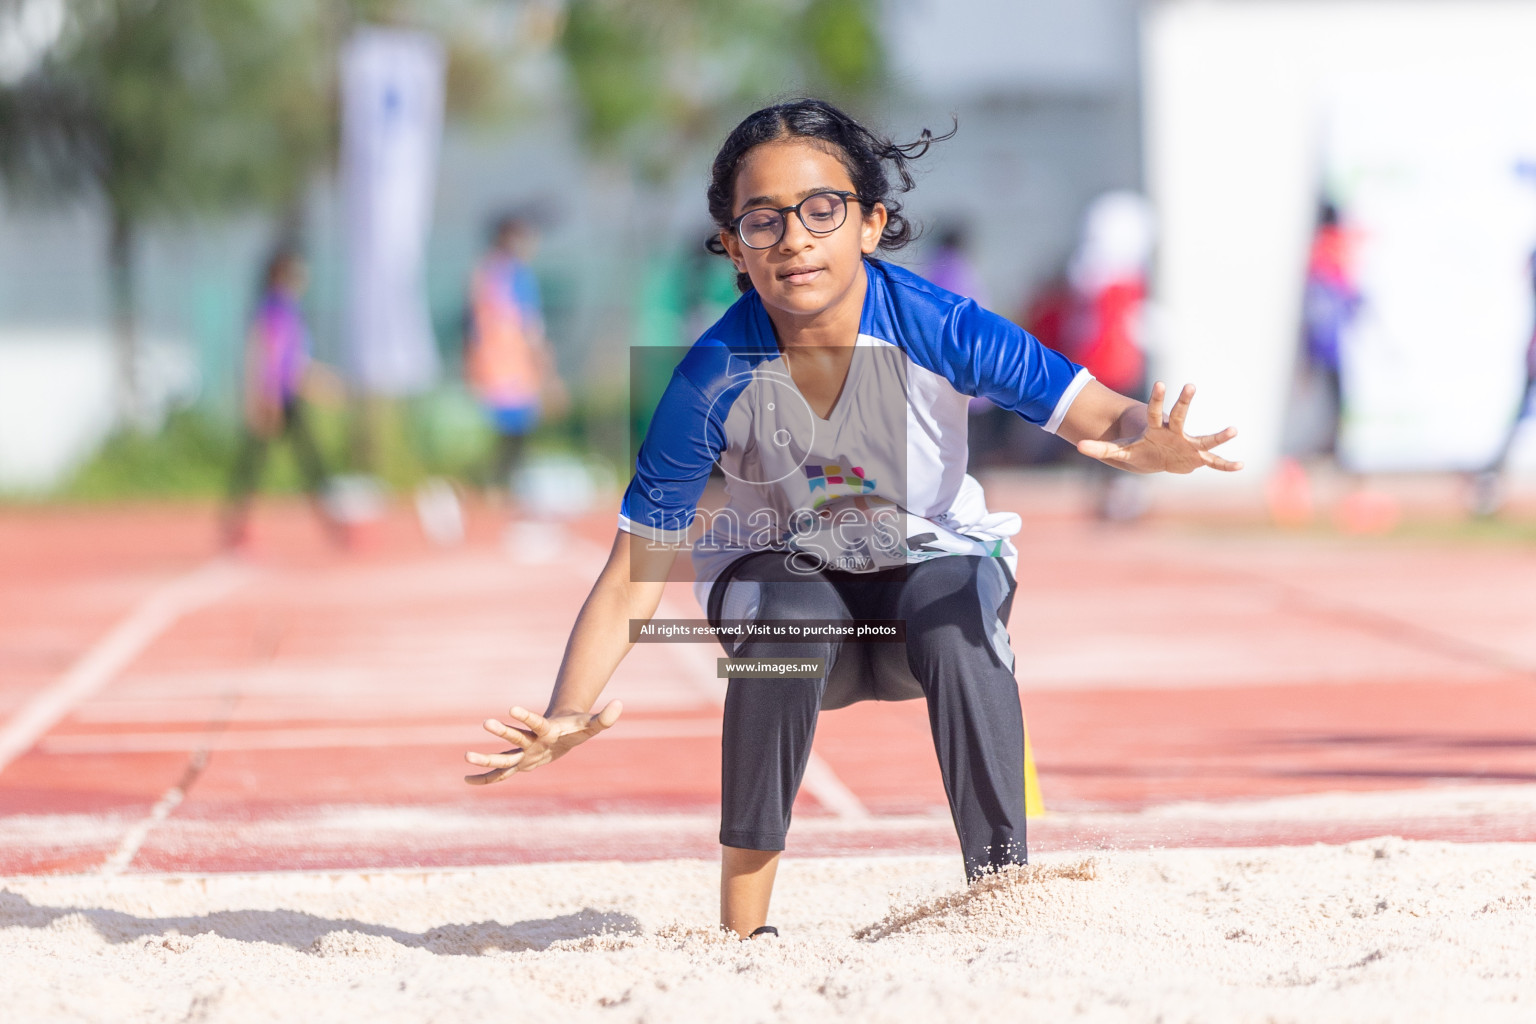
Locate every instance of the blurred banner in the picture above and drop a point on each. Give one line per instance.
(1432, 174)
(392, 119)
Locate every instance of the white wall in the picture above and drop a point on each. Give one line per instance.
(58, 394)
(1235, 98)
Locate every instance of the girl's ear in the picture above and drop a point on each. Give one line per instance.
(733, 250)
(871, 228)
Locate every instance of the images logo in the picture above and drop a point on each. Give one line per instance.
(834, 482)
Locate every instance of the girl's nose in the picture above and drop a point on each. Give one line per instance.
(796, 237)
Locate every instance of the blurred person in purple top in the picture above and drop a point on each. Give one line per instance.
(950, 265)
(277, 364)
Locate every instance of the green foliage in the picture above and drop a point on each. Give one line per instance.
(841, 35)
(444, 433)
(450, 432)
(191, 457)
(610, 53)
(167, 108)
(171, 106)
(175, 106)
(655, 76)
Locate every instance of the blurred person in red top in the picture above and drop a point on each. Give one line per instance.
(1104, 328)
(1047, 311)
(278, 367)
(1330, 301)
(1100, 318)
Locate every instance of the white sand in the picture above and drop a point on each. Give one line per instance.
(1378, 930)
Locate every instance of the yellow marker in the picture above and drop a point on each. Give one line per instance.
(1034, 804)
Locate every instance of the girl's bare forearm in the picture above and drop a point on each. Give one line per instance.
(599, 640)
(1099, 414)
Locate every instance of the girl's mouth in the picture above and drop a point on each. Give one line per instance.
(799, 275)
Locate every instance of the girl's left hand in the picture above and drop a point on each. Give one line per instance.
(1164, 447)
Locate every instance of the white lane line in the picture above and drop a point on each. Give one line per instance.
(322, 737)
(116, 650)
(1503, 808)
(128, 847)
(133, 840)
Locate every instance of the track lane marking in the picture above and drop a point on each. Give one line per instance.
(116, 650)
(133, 840)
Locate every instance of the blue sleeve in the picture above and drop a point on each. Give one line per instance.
(991, 357)
(681, 445)
(525, 292)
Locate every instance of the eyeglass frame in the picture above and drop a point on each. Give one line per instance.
(785, 211)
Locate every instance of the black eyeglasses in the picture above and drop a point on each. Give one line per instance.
(821, 214)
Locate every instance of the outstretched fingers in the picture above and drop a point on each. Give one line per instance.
(538, 742)
(1155, 406)
(1180, 410)
(537, 723)
(1206, 442)
(1217, 462)
(605, 718)
(489, 777)
(511, 734)
(501, 766)
(508, 761)
(505, 759)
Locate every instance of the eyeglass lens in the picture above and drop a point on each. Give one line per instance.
(821, 213)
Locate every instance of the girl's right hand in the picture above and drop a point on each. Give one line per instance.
(541, 740)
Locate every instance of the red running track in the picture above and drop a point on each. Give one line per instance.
(302, 708)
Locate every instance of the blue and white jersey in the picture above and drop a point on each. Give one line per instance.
(882, 479)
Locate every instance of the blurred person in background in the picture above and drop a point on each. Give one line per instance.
(1487, 494)
(1047, 310)
(278, 367)
(950, 266)
(1103, 325)
(1330, 300)
(507, 359)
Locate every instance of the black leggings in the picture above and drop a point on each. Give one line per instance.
(956, 656)
(253, 457)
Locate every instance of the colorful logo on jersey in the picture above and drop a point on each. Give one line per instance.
(836, 482)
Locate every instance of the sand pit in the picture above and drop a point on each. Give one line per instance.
(1380, 929)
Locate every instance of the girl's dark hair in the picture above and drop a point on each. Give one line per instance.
(862, 153)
